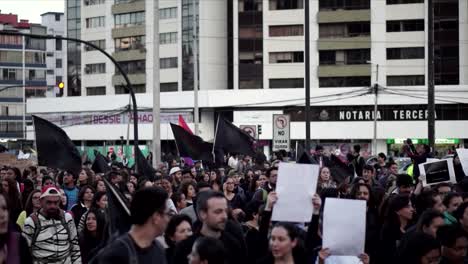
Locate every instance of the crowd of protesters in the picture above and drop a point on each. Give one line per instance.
(195, 214)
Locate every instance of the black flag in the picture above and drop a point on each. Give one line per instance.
(54, 147)
(190, 145)
(143, 167)
(229, 138)
(118, 211)
(340, 170)
(100, 164)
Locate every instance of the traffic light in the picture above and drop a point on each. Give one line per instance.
(61, 86)
(259, 129)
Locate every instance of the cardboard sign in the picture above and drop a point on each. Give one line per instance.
(437, 171)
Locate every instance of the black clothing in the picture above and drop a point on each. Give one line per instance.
(78, 210)
(124, 250)
(372, 234)
(232, 239)
(389, 241)
(17, 248)
(88, 247)
(459, 173)
(255, 244)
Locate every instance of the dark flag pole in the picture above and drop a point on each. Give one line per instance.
(307, 74)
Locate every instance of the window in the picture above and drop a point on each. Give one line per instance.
(286, 4)
(58, 44)
(250, 5)
(11, 74)
(35, 75)
(357, 56)
(49, 54)
(101, 43)
(98, 90)
(57, 17)
(325, 5)
(132, 67)
(129, 43)
(287, 83)
(327, 57)
(129, 19)
(407, 80)
(285, 31)
(95, 68)
(167, 13)
(398, 2)
(286, 57)
(34, 57)
(168, 38)
(93, 2)
(95, 22)
(361, 81)
(11, 40)
(169, 87)
(11, 110)
(138, 88)
(405, 53)
(50, 72)
(405, 25)
(166, 63)
(340, 30)
(58, 63)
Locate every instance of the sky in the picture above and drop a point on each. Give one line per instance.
(31, 9)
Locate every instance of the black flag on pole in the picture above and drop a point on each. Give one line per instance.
(190, 145)
(54, 147)
(143, 167)
(100, 163)
(118, 211)
(229, 138)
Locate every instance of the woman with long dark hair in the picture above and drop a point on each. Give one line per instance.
(99, 203)
(10, 189)
(33, 204)
(85, 199)
(13, 246)
(86, 177)
(397, 220)
(92, 234)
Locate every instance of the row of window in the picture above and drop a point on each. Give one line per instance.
(139, 88)
(168, 13)
(344, 57)
(33, 57)
(167, 63)
(285, 31)
(93, 2)
(100, 43)
(325, 5)
(8, 74)
(132, 67)
(341, 30)
(129, 19)
(168, 38)
(95, 22)
(129, 43)
(12, 127)
(399, 2)
(405, 25)
(95, 68)
(11, 110)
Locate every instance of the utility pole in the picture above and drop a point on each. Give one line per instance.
(195, 68)
(430, 78)
(156, 89)
(24, 87)
(307, 74)
(376, 104)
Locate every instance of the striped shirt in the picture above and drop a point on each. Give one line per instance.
(53, 244)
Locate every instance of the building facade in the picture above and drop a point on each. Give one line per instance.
(250, 58)
(22, 74)
(55, 24)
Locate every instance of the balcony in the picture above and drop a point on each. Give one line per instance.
(139, 78)
(128, 31)
(130, 55)
(344, 70)
(344, 43)
(128, 6)
(340, 16)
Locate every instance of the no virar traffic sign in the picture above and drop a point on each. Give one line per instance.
(281, 135)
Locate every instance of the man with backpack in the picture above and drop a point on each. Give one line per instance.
(51, 233)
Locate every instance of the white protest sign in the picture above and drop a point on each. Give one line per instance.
(437, 171)
(281, 135)
(344, 226)
(295, 187)
(463, 155)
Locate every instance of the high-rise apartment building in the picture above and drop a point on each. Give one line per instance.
(250, 57)
(22, 74)
(55, 49)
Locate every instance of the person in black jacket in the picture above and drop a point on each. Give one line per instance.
(85, 199)
(212, 209)
(93, 232)
(178, 229)
(397, 220)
